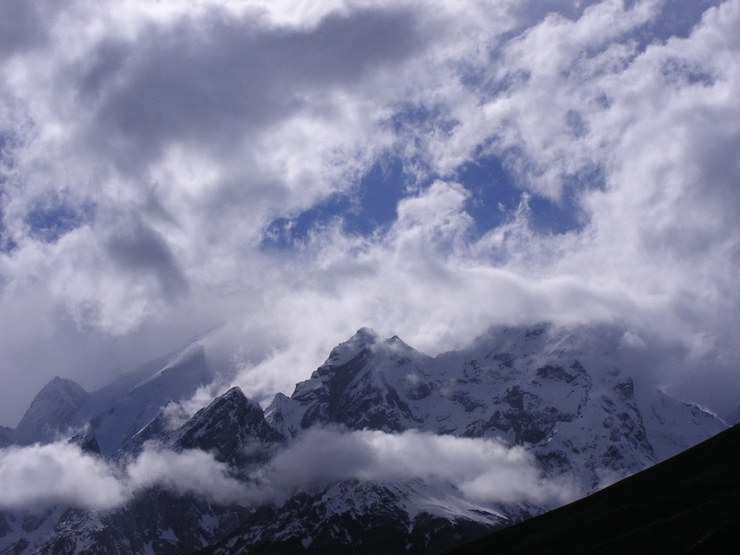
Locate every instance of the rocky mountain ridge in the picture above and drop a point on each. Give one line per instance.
(559, 395)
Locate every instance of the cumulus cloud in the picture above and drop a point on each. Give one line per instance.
(483, 470)
(58, 473)
(61, 474)
(191, 471)
(146, 150)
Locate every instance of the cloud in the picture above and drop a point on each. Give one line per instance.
(43, 475)
(213, 80)
(187, 472)
(482, 470)
(147, 149)
(61, 474)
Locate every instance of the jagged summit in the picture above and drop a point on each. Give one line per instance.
(562, 395)
(229, 428)
(358, 386)
(557, 390)
(363, 339)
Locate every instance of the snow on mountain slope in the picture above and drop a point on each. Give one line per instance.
(157, 519)
(117, 411)
(124, 416)
(558, 391)
(232, 427)
(734, 417)
(563, 396)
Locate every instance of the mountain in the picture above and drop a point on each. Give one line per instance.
(734, 417)
(51, 411)
(566, 402)
(117, 412)
(158, 520)
(687, 504)
(559, 391)
(7, 436)
(233, 428)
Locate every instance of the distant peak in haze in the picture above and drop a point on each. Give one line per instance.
(51, 410)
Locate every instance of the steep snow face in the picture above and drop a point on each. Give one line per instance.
(116, 412)
(558, 391)
(123, 417)
(365, 383)
(734, 417)
(51, 411)
(674, 426)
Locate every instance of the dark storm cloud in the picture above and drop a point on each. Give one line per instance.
(142, 250)
(209, 81)
(24, 24)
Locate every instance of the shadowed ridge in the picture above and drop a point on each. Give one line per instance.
(687, 504)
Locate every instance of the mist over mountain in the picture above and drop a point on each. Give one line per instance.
(200, 200)
(383, 447)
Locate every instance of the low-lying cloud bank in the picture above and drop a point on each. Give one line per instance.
(60, 473)
(482, 470)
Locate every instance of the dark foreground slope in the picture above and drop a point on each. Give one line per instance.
(687, 504)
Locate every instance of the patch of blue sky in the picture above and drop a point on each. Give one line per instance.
(52, 217)
(369, 206)
(7, 244)
(495, 194)
(677, 19)
(495, 198)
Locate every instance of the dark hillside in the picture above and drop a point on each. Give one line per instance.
(687, 504)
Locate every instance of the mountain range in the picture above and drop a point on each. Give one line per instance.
(382, 448)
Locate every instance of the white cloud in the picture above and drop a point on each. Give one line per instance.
(42, 475)
(483, 470)
(191, 471)
(185, 128)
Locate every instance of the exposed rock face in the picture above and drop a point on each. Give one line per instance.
(560, 394)
(233, 428)
(556, 391)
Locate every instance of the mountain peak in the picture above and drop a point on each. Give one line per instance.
(51, 410)
(227, 427)
(365, 332)
(362, 340)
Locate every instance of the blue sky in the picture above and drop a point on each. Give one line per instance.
(293, 172)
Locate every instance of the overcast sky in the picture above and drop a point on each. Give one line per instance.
(293, 171)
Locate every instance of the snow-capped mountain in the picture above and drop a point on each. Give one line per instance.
(116, 412)
(558, 391)
(559, 398)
